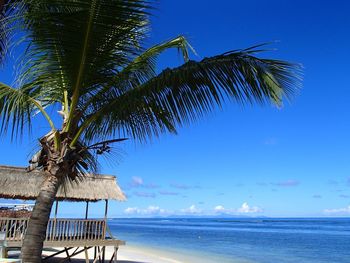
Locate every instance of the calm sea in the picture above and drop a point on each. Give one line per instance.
(306, 240)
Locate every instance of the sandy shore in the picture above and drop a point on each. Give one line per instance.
(135, 254)
(140, 254)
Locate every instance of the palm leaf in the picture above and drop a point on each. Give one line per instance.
(17, 107)
(139, 71)
(183, 94)
(84, 44)
(88, 56)
(4, 36)
(91, 39)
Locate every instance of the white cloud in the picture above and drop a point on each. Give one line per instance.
(155, 210)
(136, 181)
(149, 211)
(131, 210)
(192, 210)
(338, 211)
(245, 208)
(219, 209)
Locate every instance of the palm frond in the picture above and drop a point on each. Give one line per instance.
(139, 71)
(143, 67)
(82, 44)
(4, 34)
(182, 95)
(88, 56)
(17, 107)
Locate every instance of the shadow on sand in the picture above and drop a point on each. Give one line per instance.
(76, 260)
(16, 254)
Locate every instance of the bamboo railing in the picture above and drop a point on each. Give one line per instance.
(13, 228)
(58, 229)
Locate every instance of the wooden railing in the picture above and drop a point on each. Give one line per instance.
(13, 228)
(57, 229)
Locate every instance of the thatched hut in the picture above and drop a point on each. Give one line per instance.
(16, 183)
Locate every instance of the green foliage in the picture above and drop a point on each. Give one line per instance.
(16, 106)
(88, 57)
(3, 36)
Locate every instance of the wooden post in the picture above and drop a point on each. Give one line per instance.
(106, 208)
(103, 254)
(3, 248)
(53, 234)
(3, 252)
(105, 220)
(87, 209)
(56, 208)
(53, 229)
(86, 255)
(99, 254)
(115, 252)
(68, 256)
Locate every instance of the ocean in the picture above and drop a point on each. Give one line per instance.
(265, 240)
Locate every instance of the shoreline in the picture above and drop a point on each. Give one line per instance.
(146, 254)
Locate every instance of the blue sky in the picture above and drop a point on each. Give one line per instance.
(249, 160)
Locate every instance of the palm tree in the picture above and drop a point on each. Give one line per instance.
(86, 60)
(2, 4)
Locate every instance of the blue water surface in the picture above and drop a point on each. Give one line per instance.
(309, 240)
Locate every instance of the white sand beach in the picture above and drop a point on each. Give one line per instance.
(136, 254)
(145, 254)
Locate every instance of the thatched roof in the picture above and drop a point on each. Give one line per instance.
(16, 183)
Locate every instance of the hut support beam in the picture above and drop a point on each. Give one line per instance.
(115, 252)
(59, 252)
(77, 253)
(106, 208)
(103, 254)
(98, 255)
(68, 256)
(87, 209)
(114, 256)
(86, 255)
(56, 208)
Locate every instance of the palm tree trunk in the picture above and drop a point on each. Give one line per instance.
(36, 231)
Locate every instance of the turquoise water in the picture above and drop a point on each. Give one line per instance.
(306, 240)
